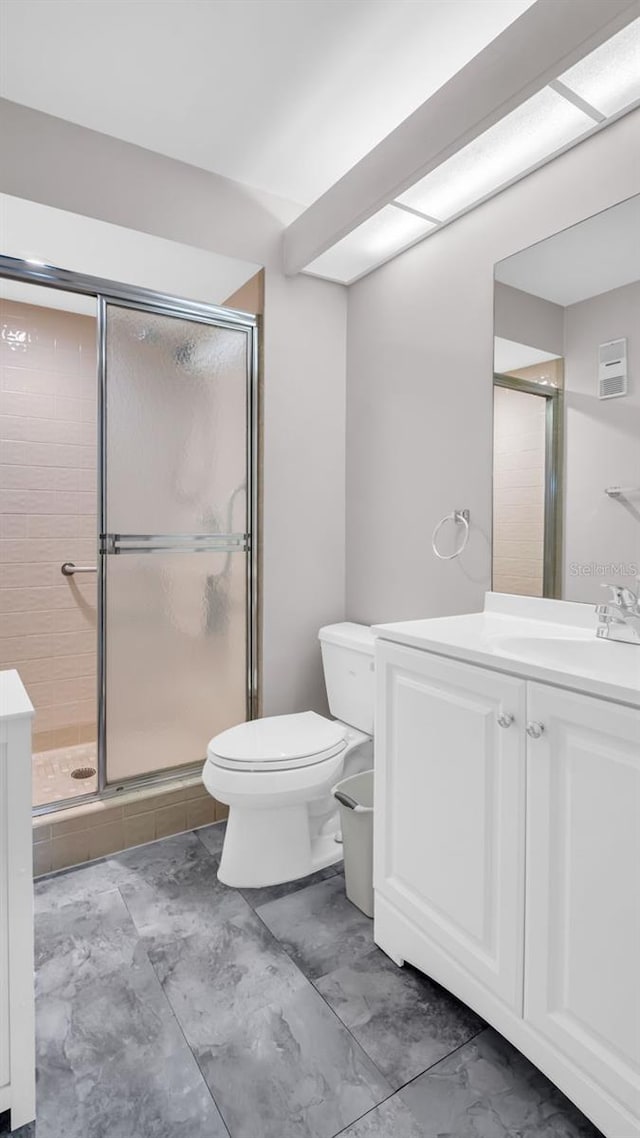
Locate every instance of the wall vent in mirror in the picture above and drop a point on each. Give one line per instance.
(612, 369)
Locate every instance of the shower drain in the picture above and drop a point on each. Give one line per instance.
(83, 772)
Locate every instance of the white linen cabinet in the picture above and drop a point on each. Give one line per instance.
(17, 1020)
(507, 863)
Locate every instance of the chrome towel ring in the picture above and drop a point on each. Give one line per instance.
(459, 517)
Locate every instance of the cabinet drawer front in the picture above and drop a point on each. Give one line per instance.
(583, 886)
(450, 787)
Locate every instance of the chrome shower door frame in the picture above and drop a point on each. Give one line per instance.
(146, 300)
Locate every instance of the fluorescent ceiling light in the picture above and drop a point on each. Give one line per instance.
(609, 78)
(380, 237)
(532, 132)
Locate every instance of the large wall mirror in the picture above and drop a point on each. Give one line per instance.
(566, 475)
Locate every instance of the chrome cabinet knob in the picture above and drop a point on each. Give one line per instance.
(535, 730)
(505, 719)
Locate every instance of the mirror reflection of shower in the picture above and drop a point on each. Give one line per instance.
(566, 335)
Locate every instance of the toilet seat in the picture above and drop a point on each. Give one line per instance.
(278, 743)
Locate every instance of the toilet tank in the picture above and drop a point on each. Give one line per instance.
(347, 659)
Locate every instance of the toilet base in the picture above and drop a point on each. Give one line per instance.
(270, 847)
(283, 824)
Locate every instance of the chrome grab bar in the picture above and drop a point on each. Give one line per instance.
(621, 491)
(69, 568)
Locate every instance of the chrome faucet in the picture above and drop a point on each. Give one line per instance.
(620, 618)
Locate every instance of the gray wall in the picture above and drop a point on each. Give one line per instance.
(528, 319)
(602, 446)
(51, 161)
(419, 390)
(304, 485)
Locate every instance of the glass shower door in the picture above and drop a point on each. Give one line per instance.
(176, 499)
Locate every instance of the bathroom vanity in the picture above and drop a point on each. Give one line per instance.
(17, 1016)
(507, 859)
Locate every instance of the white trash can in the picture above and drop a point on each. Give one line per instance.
(355, 795)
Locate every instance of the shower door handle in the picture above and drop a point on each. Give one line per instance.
(111, 543)
(69, 568)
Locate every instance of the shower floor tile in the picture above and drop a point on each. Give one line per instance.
(52, 770)
(169, 1006)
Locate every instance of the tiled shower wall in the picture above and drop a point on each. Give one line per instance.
(518, 492)
(48, 515)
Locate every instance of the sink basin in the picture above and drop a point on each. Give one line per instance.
(536, 638)
(581, 654)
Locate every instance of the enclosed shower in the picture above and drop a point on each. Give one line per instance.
(128, 514)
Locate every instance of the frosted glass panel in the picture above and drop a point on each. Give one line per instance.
(176, 657)
(176, 467)
(176, 422)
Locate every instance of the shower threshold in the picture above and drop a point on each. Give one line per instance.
(100, 825)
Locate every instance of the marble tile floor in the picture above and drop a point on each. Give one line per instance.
(169, 1006)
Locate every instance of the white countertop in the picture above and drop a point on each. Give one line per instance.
(14, 701)
(550, 641)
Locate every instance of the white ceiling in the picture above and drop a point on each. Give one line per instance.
(282, 95)
(509, 355)
(586, 260)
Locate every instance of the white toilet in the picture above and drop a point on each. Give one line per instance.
(276, 774)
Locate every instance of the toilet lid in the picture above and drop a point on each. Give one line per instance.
(279, 741)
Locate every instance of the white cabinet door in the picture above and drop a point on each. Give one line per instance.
(582, 986)
(450, 803)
